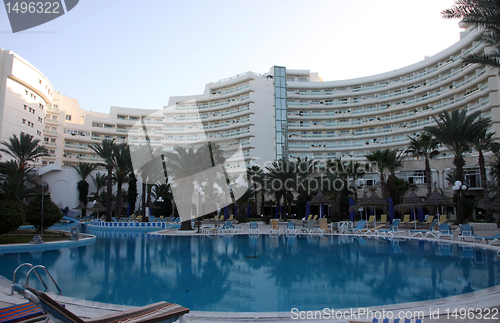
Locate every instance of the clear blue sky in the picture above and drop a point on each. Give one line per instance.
(139, 53)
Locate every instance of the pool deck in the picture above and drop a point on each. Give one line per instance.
(488, 298)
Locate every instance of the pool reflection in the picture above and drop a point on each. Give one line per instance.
(262, 273)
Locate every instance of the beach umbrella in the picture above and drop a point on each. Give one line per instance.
(374, 200)
(437, 199)
(225, 212)
(391, 209)
(321, 210)
(308, 210)
(421, 215)
(351, 211)
(249, 209)
(128, 210)
(411, 203)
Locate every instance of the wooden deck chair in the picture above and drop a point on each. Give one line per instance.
(383, 219)
(158, 312)
(371, 219)
(406, 219)
(442, 218)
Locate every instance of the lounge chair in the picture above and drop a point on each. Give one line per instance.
(383, 219)
(309, 227)
(445, 231)
(20, 312)
(275, 227)
(323, 226)
(486, 239)
(229, 227)
(466, 232)
(426, 233)
(254, 228)
(406, 219)
(290, 228)
(358, 228)
(429, 220)
(442, 218)
(231, 217)
(315, 217)
(371, 219)
(393, 230)
(159, 312)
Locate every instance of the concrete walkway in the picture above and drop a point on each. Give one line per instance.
(485, 299)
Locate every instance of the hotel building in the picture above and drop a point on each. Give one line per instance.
(282, 113)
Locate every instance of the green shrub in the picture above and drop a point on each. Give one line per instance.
(12, 215)
(241, 217)
(266, 219)
(51, 212)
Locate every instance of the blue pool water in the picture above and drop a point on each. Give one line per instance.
(262, 274)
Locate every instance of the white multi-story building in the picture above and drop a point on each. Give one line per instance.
(283, 113)
(25, 94)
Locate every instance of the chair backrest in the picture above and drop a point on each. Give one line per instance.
(442, 218)
(444, 228)
(433, 224)
(231, 217)
(395, 225)
(274, 224)
(323, 223)
(51, 307)
(315, 217)
(383, 218)
(371, 219)
(406, 218)
(360, 225)
(254, 226)
(291, 225)
(310, 224)
(309, 217)
(466, 229)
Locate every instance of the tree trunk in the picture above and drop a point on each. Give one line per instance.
(109, 190)
(484, 184)
(119, 202)
(262, 206)
(428, 176)
(382, 186)
(459, 163)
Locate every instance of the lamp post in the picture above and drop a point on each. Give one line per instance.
(160, 200)
(459, 187)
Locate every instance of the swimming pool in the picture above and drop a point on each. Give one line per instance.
(263, 274)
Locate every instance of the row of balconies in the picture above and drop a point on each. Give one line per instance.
(402, 79)
(407, 101)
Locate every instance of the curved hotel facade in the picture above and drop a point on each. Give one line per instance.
(283, 113)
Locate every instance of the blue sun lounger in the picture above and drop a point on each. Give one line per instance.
(359, 227)
(486, 239)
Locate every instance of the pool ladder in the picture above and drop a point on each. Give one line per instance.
(33, 270)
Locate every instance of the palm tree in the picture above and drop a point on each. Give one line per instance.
(483, 142)
(424, 145)
(182, 164)
(12, 181)
(486, 15)
(106, 151)
(456, 131)
(24, 150)
(84, 169)
(254, 173)
(282, 176)
(123, 167)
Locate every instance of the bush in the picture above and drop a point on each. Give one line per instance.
(266, 219)
(241, 217)
(51, 212)
(12, 215)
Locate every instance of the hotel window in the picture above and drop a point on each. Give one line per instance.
(25, 107)
(54, 129)
(68, 117)
(53, 140)
(52, 151)
(54, 117)
(24, 121)
(46, 139)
